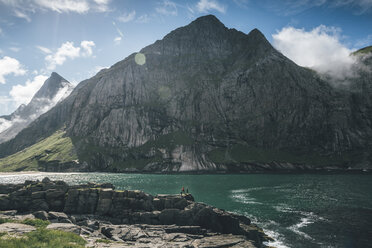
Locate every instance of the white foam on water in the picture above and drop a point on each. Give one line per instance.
(284, 208)
(279, 239)
(278, 242)
(254, 189)
(244, 198)
(247, 190)
(303, 223)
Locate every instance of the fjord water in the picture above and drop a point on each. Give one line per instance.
(298, 210)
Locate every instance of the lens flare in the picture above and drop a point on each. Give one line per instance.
(140, 59)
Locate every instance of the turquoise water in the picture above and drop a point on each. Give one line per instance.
(302, 210)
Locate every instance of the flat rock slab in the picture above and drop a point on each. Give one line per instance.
(220, 241)
(67, 227)
(16, 228)
(157, 236)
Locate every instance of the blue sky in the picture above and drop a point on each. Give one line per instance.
(76, 38)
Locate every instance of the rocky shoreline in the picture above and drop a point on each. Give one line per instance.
(272, 167)
(125, 218)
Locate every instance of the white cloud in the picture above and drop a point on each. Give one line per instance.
(87, 46)
(143, 19)
(22, 15)
(69, 51)
(4, 124)
(319, 49)
(102, 2)
(79, 6)
(8, 66)
(102, 5)
(127, 17)
(24, 8)
(44, 49)
(204, 6)
(22, 94)
(117, 40)
(168, 8)
(15, 49)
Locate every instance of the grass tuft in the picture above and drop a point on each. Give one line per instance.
(105, 241)
(36, 223)
(44, 238)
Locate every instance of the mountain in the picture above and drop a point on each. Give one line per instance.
(364, 50)
(54, 89)
(204, 98)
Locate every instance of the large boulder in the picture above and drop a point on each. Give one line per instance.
(72, 197)
(168, 216)
(87, 201)
(104, 201)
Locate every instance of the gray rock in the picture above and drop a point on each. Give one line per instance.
(67, 227)
(17, 228)
(104, 201)
(221, 241)
(41, 215)
(57, 215)
(168, 216)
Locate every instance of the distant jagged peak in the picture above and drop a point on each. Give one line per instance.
(20, 108)
(52, 86)
(54, 90)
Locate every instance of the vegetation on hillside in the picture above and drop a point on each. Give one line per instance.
(56, 147)
(364, 50)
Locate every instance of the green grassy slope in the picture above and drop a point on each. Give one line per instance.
(56, 147)
(364, 50)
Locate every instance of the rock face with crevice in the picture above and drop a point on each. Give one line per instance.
(132, 217)
(209, 98)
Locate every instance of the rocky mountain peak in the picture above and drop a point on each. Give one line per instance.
(256, 34)
(207, 21)
(54, 89)
(52, 85)
(208, 37)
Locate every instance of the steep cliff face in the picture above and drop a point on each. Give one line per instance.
(206, 97)
(54, 89)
